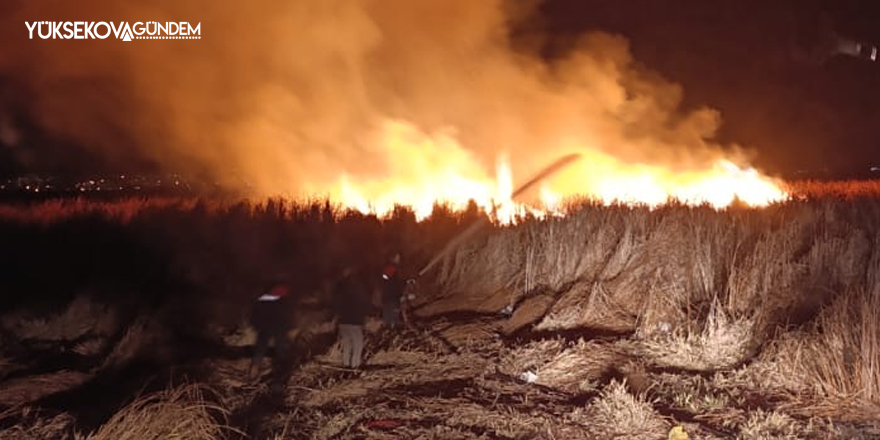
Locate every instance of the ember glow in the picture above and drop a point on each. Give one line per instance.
(436, 169)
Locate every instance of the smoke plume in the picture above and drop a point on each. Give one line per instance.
(292, 97)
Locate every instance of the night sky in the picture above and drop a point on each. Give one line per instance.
(737, 56)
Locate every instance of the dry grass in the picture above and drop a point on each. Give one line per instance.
(55, 210)
(242, 335)
(530, 356)
(177, 413)
(30, 388)
(618, 414)
(528, 313)
(840, 357)
(771, 426)
(510, 425)
(82, 316)
(140, 335)
(35, 426)
(722, 343)
(788, 294)
(231, 387)
(703, 289)
(580, 366)
(777, 369)
(469, 336)
(845, 189)
(408, 395)
(407, 370)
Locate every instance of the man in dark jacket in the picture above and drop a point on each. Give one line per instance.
(272, 317)
(393, 287)
(352, 306)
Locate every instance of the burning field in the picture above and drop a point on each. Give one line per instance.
(615, 321)
(591, 257)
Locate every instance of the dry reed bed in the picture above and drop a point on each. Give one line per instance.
(34, 425)
(451, 395)
(81, 317)
(701, 289)
(181, 412)
(24, 390)
(430, 391)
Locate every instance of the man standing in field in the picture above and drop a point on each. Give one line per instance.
(393, 288)
(272, 318)
(352, 306)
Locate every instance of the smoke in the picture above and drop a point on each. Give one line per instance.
(290, 97)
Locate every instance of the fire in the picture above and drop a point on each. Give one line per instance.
(425, 169)
(604, 178)
(422, 170)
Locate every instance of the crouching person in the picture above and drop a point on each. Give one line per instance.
(352, 307)
(272, 318)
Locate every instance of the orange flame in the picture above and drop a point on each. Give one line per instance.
(427, 169)
(604, 178)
